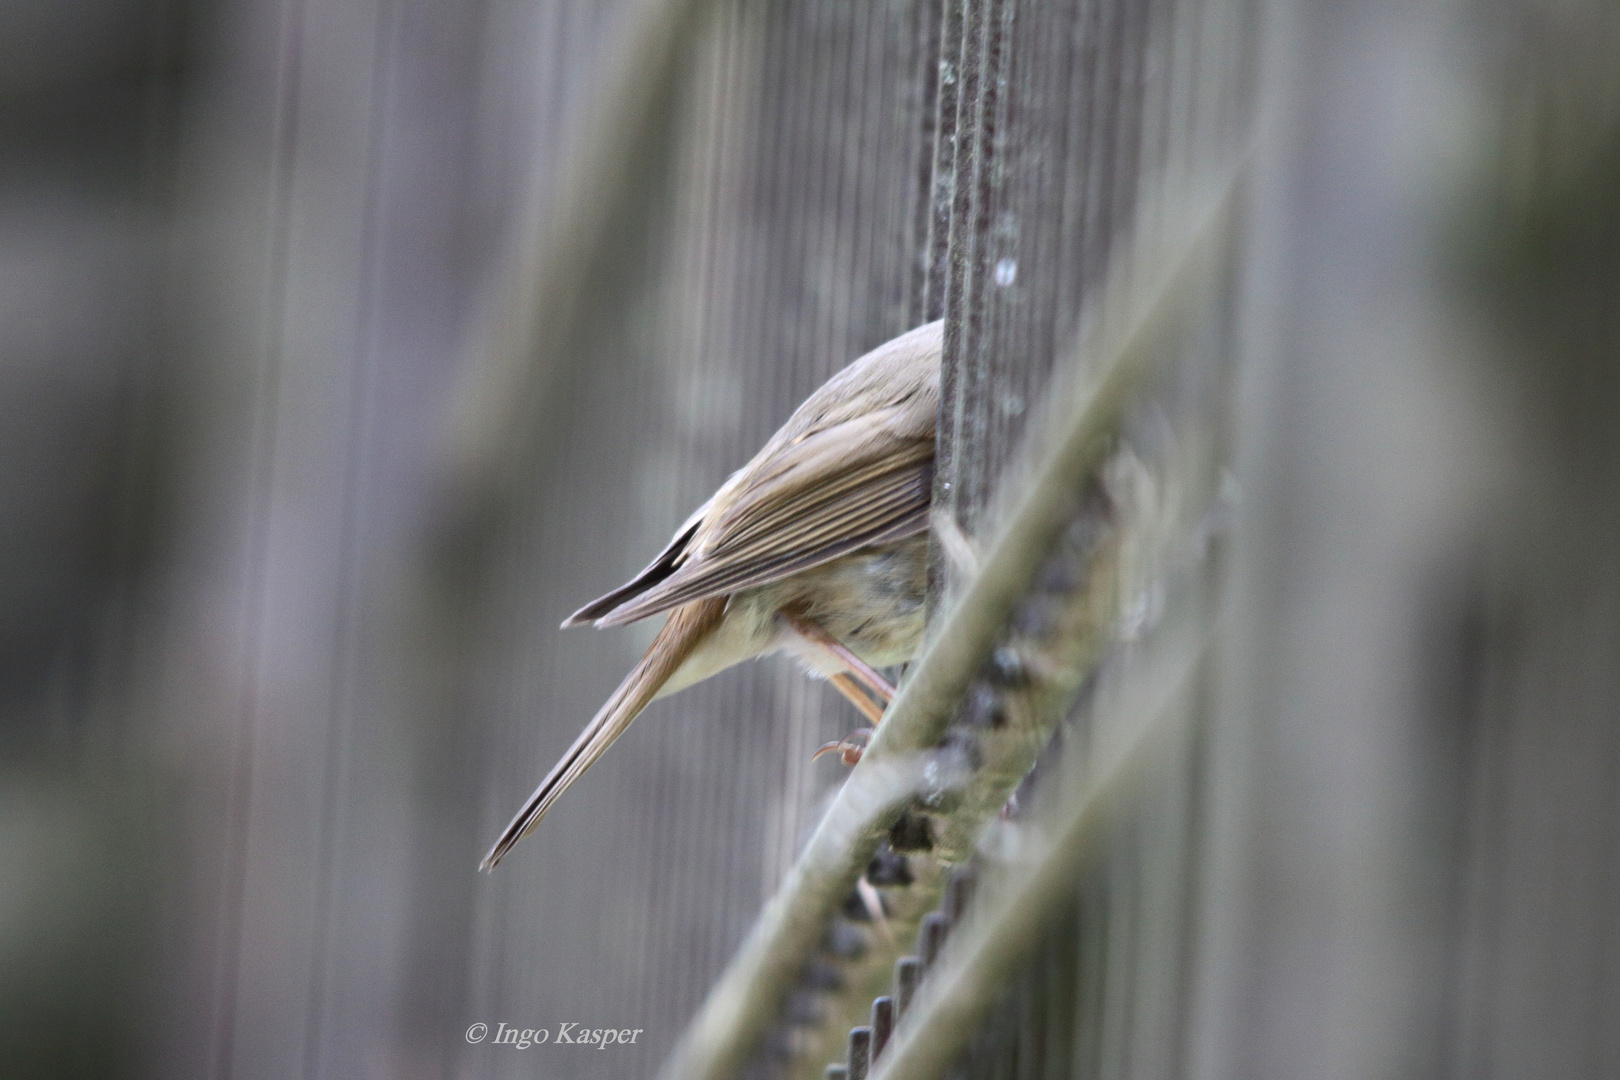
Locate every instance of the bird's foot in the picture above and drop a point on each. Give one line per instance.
(848, 748)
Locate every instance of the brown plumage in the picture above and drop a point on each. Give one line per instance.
(818, 546)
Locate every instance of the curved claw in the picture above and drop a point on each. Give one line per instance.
(847, 748)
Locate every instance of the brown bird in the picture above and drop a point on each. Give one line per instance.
(817, 546)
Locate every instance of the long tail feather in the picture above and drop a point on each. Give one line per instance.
(688, 625)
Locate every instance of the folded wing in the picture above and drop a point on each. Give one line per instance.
(863, 482)
(854, 467)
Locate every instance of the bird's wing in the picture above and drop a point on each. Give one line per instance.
(657, 570)
(865, 481)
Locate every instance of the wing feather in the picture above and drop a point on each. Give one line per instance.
(852, 467)
(660, 568)
(889, 507)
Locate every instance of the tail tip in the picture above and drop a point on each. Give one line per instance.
(501, 849)
(579, 618)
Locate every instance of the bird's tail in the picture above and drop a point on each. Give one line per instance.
(686, 628)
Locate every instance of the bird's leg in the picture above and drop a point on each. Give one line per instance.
(853, 683)
(858, 697)
(859, 669)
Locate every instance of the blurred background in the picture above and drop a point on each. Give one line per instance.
(346, 346)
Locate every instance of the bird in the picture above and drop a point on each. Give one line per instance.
(818, 546)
